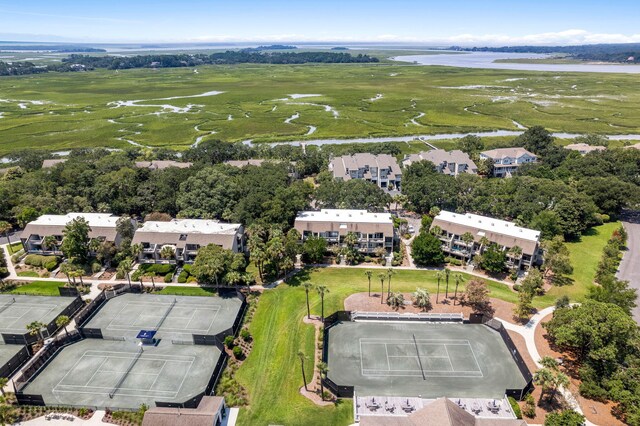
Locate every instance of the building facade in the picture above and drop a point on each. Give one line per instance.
(184, 237)
(44, 235)
(383, 169)
(450, 163)
(486, 230)
(373, 230)
(507, 160)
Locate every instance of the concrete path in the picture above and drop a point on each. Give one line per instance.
(528, 332)
(629, 269)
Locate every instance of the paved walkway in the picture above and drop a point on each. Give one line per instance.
(528, 332)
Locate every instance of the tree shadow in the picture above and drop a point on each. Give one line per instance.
(301, 276)
(561, 280)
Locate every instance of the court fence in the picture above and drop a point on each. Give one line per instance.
(396, 316)
(518, 394)
(330, 321)
(16, 361)
(37, 364)
(91, 308)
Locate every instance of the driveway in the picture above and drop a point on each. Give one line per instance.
(629, 269)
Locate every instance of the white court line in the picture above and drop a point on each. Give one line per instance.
(31, 308)
(193, 315)
(449, 357)
(387, 352)
(97, 371)
(159, 372)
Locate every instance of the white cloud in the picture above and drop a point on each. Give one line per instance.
(567, 37)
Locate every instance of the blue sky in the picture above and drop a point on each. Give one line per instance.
(493, 22)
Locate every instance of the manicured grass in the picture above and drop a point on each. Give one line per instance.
(73, 110)
(585, 255)
(188, 291)
(28, 274)
(39, 288)
(15, 247)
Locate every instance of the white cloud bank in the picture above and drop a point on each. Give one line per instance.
(567, 37)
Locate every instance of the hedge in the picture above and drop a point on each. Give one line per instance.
(168, 278)
(515, 407)
(48, 262)
(157, 268)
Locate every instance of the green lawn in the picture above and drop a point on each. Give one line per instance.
(15, 247)
(39, 288)
(33, 274)
(188, 291)
(585, 256)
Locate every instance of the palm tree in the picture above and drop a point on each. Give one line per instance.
(35, 329)
(136, 249)
(151, 275)
(458, 278)
(3, 383)
(368, 273)
(436, 230)
(304, 377)
(395, 300)
(322, 290)
(307, 286)
(467, 238)
(63, 321)
(79, 273)
(447, 272)
(66, 268)
(49, 242)
(438, 277)
(167, 252)
(514, 253)
(484, 241)
(233, 277)
(382, 276)
(421, 299)
(323, 368)
(390, 272)
(5, 227)
(125, 267)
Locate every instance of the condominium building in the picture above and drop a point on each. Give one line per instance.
(162, 164)
(184, 237)
(373, 230)
(507, 160)
(450, 163)
(383, 169)
(583, 148)
(484, 231)
(44, 235)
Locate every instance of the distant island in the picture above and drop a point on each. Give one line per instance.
(48, 48)
(619, 53)
(77, 62)
(276, 47)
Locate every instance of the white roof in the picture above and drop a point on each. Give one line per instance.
(344, 215)
(104, 220)
(190, 226)
(485, 223)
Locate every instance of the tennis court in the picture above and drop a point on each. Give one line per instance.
(106, 373)
(421, 359)
(17, 311)
(174, 317)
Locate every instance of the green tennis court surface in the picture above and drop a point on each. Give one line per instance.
(129, 313)
(105, 373)
(17, 311)
(421, 359)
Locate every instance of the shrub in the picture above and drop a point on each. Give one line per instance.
(182, 278)
(136, 275)
(529, 407)
(228, 342)
(48, 262)
(246, 336)
(453, 261)
(119, 275)
(192, 279)
(590, 389)
(168, 278)
(515, 407)
(96, 267)
(187, 268)
(237, 352)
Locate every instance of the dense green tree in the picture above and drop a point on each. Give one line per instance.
(471, 144)
(493, 259)
(213, 263)
(557, 260)
(209, 193)
(564, 418)
(75, 241)
(313, 249)
(612, 290)
(351, 194)
(426, 250)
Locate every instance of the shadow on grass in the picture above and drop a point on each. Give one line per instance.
(561, 281)
(302, 276)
